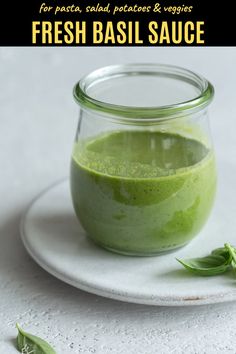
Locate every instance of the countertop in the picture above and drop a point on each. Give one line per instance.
(38, 119)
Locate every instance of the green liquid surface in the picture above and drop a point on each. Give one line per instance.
(142, 192)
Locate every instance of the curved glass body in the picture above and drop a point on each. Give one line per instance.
(143, 174)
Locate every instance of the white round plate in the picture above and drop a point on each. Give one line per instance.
(55, 240)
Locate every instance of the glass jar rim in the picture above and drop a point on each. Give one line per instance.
(149, 113)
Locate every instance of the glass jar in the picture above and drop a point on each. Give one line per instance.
(143, 175)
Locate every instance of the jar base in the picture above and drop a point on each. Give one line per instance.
(139, 253)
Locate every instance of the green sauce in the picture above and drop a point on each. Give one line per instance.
(142, 192)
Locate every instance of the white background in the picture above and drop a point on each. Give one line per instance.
(38, 119)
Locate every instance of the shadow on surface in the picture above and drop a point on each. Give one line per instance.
(177, 273)
(12, 341)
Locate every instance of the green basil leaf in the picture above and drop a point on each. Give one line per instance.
(222, 251)
(210, 265)
(30, 344)
(232, 253)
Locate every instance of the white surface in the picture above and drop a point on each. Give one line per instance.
(53, 237)
(37, 124)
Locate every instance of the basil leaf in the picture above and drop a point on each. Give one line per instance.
(232, 253)
(30, 344)
(222, 251)
(210, 265)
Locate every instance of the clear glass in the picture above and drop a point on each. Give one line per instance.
(143, 175)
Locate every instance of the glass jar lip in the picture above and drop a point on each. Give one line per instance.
(151, 113)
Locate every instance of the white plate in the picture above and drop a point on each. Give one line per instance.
(56, 241)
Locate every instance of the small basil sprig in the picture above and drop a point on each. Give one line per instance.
(30, 344)
(219, 261)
